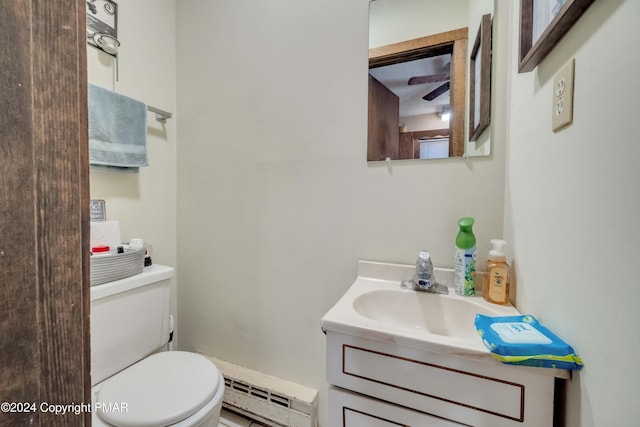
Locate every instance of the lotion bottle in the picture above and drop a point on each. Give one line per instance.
(495, 288)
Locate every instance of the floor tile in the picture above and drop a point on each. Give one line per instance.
(230, 419)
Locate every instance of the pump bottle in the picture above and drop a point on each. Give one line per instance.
(495, 288)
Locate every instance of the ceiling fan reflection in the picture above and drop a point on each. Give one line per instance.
(433, 78)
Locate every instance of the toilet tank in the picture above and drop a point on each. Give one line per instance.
(129, 320)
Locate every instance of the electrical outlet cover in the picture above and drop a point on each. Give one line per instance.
(562, 108)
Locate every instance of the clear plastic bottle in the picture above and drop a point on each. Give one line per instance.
(424, 270)
(465, 258)
(495, 288)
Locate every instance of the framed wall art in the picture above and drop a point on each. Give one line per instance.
(480, 80)
(543, 23)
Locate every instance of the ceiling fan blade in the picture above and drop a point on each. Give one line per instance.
(434, 78)
(437, 92)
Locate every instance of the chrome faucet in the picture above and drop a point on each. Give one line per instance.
(424, 279)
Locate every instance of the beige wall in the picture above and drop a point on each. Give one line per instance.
(424, 122)
(572, 203)
(144, 203)
(276, 202)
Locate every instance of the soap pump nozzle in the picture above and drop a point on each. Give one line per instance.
(497, 250)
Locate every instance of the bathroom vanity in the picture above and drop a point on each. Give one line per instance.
(402, 357)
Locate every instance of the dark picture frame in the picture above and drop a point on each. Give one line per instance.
(543, 23)
(480, 80)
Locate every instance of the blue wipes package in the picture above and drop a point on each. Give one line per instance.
(522, 340)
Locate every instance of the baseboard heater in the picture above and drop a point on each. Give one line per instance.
(269, 400)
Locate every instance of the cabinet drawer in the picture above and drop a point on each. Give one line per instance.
(478, 393)
(348, 409)
(435, 381)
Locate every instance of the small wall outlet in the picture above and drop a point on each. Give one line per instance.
(562, 108)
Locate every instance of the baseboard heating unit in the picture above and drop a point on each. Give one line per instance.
(269, 400)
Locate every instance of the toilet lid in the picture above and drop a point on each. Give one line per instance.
(158, 391)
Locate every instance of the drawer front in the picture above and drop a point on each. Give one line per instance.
(456, 389)
(436, 382)
(348, 409)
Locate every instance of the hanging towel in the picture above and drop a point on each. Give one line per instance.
(117, 130)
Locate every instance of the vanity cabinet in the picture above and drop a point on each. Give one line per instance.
(376, 383)
(397, 357)
(408, 149)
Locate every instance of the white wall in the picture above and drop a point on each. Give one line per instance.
(394, 21)
(572, 203)
(276, 202)
(144, 203)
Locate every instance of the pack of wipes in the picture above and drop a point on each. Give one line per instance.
(522, 340)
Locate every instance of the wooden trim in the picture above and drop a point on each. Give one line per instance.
(44, 207)
(432, 133)
(531, 54)
(19, 376)
(389, 54)
(458, 99)
(419, 362)
(85, 200)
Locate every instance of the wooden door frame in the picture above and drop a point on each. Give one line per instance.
(44, 212)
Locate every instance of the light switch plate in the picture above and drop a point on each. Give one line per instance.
(562, 109)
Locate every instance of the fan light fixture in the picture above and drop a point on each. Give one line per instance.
(445, 114)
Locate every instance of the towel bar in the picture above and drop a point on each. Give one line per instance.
(161, 115)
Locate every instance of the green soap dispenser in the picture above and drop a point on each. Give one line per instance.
(465, 258)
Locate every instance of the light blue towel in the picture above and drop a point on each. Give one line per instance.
(117, 130)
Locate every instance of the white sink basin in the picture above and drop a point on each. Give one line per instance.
(376, 307)
(446, 315)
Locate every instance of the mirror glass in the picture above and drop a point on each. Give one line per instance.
(410, 94)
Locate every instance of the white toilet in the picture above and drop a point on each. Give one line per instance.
(134, 381)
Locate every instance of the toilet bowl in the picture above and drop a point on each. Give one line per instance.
(135, 381)
(176, 388)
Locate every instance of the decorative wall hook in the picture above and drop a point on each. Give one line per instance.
(107, 43)
(102, 25)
